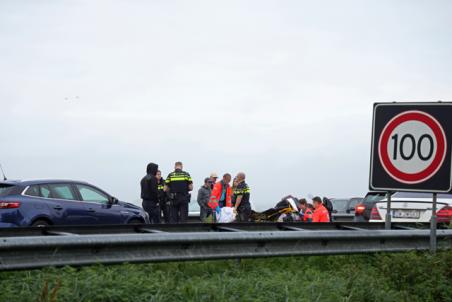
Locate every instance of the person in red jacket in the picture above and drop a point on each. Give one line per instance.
(221, 193)
(305, 211)
(320, 213)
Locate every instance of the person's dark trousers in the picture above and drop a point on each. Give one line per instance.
(179, 212)
(153, 209)
(243, 214)
(166, 210)
(183, 212)
(204, 213)
(179, 208)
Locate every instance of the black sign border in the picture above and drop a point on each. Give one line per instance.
(376, 105)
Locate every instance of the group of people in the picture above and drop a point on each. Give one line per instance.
(169, 198)
(214, 195)
(315, 212)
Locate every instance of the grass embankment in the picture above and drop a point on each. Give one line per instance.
(387, 277)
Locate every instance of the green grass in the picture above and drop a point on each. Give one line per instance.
(385, 277)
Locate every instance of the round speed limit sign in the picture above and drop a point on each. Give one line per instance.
(412, 147)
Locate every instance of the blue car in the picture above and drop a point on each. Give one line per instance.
(62, 202)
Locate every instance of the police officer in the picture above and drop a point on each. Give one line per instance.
(164, 205)
(242, 198)
(178, 184)
(149, 193)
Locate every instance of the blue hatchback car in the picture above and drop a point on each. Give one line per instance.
(62, 202)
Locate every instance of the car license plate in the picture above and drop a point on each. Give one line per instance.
(414, 214)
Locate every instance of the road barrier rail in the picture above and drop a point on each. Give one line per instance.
(149, 243)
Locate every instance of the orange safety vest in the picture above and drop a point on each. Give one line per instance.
(216, 195)
(307, 215)
(321, 215)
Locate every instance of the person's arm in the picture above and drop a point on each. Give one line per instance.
(190, 181)
(215, 196)
(154, 188)
(238, 200)
(228, 197)
(200, 197)
(167, 182)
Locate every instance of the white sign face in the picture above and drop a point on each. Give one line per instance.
(412, 147)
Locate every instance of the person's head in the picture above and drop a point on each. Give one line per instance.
(178, 165)
(240, 177)
(234, 182)
(207, 182)
(227, 178)
(303, 204)
(310, 206)
(317, 201)
(158, 175)
(213, 177)
(151, 169)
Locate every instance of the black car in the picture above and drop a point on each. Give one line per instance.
(344, 208)
(364, 209)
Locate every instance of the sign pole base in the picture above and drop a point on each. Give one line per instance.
(433, 245)
(388, 211)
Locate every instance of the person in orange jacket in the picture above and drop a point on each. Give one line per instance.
(305, 211)
(221, 193)
(320, 213)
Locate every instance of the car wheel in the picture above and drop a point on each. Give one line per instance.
(135, 221)
(40, 223)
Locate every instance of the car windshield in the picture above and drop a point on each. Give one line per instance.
(340, 204)
(374, 196)
(5, 189)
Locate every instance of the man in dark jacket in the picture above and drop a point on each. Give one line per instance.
(149, 193)
(203, 199)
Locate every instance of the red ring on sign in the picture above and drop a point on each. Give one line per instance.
(427, 173)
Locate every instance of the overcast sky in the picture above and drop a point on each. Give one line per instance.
(282, 90)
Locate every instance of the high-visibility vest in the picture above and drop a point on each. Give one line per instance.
(321, 215)
(307, 217)
(215, 196)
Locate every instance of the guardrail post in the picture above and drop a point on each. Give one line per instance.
(433, 227)
(388, 211)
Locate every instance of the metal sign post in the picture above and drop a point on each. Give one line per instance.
(433, 227)
(388, 211)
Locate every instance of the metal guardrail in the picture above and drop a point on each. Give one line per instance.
(228, 242)
(199, 227)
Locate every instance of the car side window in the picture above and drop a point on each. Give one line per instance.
(45, 191)
(91, 194)
(33, 191)
(61, 191)
(353, 203)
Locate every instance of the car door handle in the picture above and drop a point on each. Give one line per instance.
(91, 210)
(58, 207)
